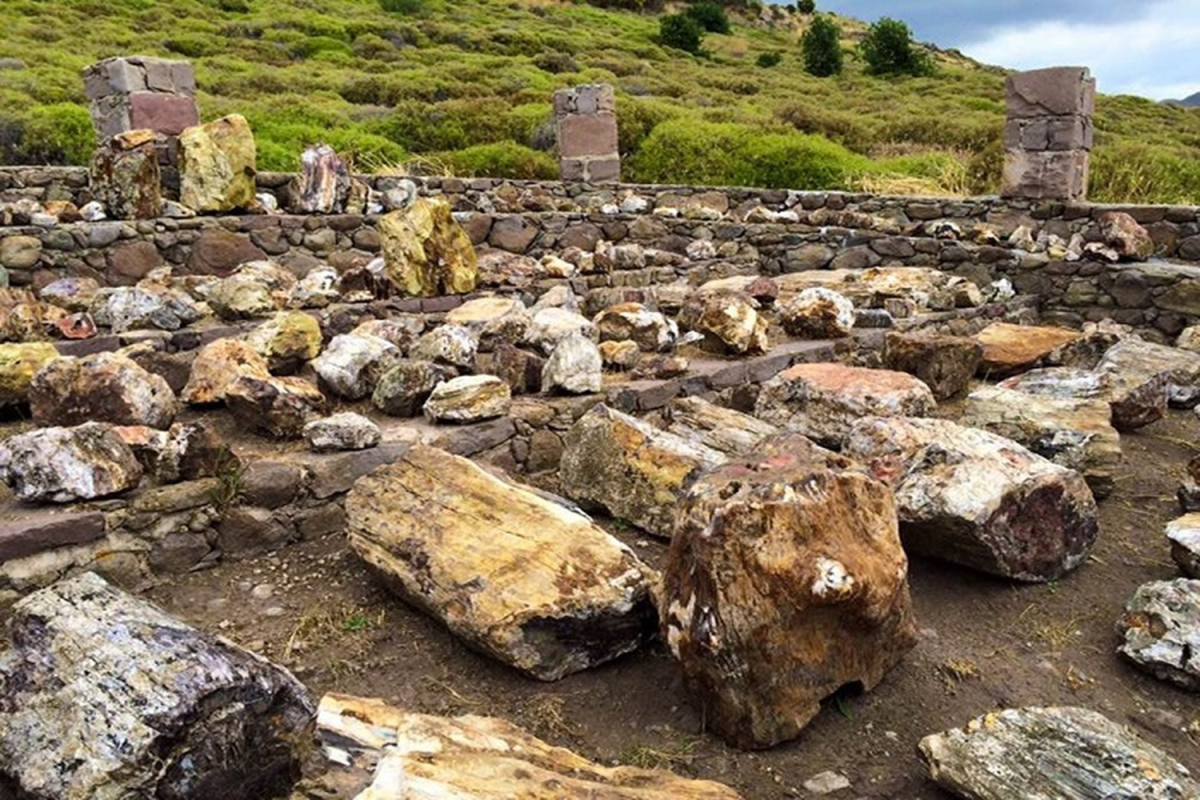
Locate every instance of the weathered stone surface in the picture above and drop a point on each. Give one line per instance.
(575, 366)
(447, 344)
(125, 176)
(24, 535)
(217, 365)
(345, 431)
(278, 407)
(219, 252)
(427, 253)
(1184, 535)
(62, 465)
(729, 323)
(543, 589)
(817, 313)
(978, 499)
(19, 362)
(945, 364)
(1011, 348)
(722, 429)
(551, 325)
(1067, 753)
(492, 320)
(1072, 432)
(629, 468)
(216, 168)
(286, 341)
(317, 289)
(351, 365)
(1122, 232)
(484, 757)
(1138, 362)
(403, 389)
(323, 185)
(633, 321)
(401, 330)
(104, 696)
(624, 354)
(1160, 631)
(104, 387)
(822, 401)
(469, 398)
(763, 582)
(19, 251)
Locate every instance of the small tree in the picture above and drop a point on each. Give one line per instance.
(681, 32)
(806, 6)
(710, 16)
(888, 50)
(822, 47)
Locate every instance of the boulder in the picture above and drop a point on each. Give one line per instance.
(516, 575)
(469, 398)
(317, 289)
(1125, 236)
(945, 364)
(551, 325)
(19, 362)
(345, 431)
(1138, 362)
(629, 468)
(1184, 535)
(286, 341)
(1135, 399)
(105, 696)
(620, 355)
(1073, 433)
(474, 756)
(721, 429)
(351, 365)
(323, 185)
(574, 367)
(1052, 753)
(403, 389)
(255, 289)
(62, 465)
(125, 176)
(1188, 339)
(1008, 349)
(218, 364)
(278, 407)
(817, 313)
(133, 308)
(103, 387)
(729, 323)
(822, 401)
(520, 369)
(492, 320)
(1160, 631)
(72, 294)
(426, 253)
(19, 251)
(447, 344)
(401, 330)
(651, 330)
(216, 167)
(184, 452)
(974, 498)
(773, 599)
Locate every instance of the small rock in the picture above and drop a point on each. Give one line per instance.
(447, 344)
(403, 389)
(728, 322)
(817, 314)
(492, 320)
(1184, 535)
(345, 431)
(104, 387)
(1008, 349)
(1129, 240)
(352, 365)
(620, 355)
(551, 325)
(633, 321)
(1160, 630)
(470, 398)
(286, 341)
(217, 365)
(62, 465)
(19, 362)
(945, 364)
(574, 367)
(824, 783)
(426, 253)
(278, 407)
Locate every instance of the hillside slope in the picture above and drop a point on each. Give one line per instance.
(464, 86)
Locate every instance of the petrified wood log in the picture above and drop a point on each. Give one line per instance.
(104, 696)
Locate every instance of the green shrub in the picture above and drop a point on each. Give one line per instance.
(768, 60)
(403, 6)
(710, 16)
(822, 47)
(57, 134)
(192, 45)
(888, 50)
(500, 160)
(314, 45)
(806, 6)
(681, 32)
(1135, 172)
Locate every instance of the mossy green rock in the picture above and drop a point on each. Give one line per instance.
(18, 364)
(217, 169)
(287, 340)
(426, 253)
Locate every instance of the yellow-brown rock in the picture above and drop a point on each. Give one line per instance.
(217, 365)
(19, 362)
(217, 165)
(486, 759)
(516, 575)
(1008, 349)
(785, 581)
(426, 253)
(287, 340)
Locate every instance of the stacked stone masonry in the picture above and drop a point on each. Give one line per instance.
(1049, 132)
(586, 121)
(141, 93)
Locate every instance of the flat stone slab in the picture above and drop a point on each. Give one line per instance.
(27, 533)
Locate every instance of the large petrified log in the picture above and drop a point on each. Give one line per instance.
(516, 575)
(1008, 348)
(722, 429)
(481, 757)
(785, 581)
(978, 499)
(1134, 359)
(103, 696)
(1136, 398)
(1055, 754)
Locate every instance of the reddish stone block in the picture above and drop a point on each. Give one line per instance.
(1059, 175)
(164, 113)
(592, 135)
(603, 170)
(1052, 92)
(40, 531)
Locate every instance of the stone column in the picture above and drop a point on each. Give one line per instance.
(1048, 136)
(586, 118)
(141, 93)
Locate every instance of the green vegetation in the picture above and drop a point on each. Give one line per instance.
(822, 47)
(465, 86)
(710, 16)
(681, 31)
(888, 50)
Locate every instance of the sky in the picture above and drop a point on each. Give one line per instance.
(1147, 47)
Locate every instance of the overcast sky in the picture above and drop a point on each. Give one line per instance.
(1146, 47)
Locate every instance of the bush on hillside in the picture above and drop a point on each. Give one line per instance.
(822, 47)
(500, 160)
(681, 32)
(806, 6)
(768, 60)
(888, 49)
(402, 6)
(710, 16)
(57, 134)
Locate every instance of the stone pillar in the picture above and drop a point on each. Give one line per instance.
(1048, 136)
(141, 93)
(586, 117)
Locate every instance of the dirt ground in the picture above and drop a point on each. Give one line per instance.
(985, 644)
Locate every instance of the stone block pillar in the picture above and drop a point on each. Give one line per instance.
(586, 118)
(1048, 135)
(141, 93)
